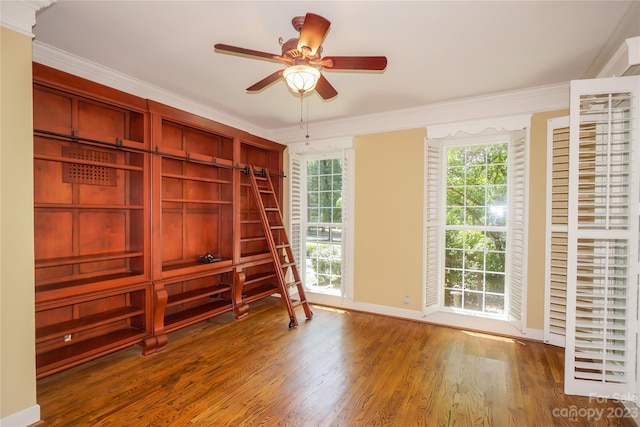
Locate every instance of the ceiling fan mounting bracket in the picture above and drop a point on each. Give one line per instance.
(298, 23)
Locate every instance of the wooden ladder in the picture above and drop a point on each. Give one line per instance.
(283, 260)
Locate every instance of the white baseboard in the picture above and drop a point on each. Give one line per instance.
(474, 323)
(23, 418)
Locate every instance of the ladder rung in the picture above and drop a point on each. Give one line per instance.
(298, 303)
(271, 209)
(292, 284)
(277, 227)
(286, 245)
(288, 264)
(266, 191)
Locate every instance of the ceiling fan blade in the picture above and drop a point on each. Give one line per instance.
(248, 52)
(354, 62)
(312, 33)
(265, 82)
(324, 88)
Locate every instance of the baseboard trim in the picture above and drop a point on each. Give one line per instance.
(471, 323)
(27, 417)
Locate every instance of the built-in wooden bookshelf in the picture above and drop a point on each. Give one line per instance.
(144, 223)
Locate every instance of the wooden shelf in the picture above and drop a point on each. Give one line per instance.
(69, 288)
(196, 294)
(259, 293)
(55, 262)
(199, 202)
(73, 326)
(255, 258)
(78, 206)
(196, 178)
(250, 221)
(252, 239)
(209, 266)
(50, 362)
(196, 314)
(195, 157)
(259, 277)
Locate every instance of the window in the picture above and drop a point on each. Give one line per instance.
(475, 223)
(320, 212)
(322, 269)
(476, 228)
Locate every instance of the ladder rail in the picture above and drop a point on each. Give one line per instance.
(282, 261)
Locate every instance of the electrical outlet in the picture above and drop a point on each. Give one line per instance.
(67, 338)
(406, 300)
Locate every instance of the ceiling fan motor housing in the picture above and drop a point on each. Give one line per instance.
(290, 50)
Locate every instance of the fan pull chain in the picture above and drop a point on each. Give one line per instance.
(307, 136)
(301, 116)
(301, 111)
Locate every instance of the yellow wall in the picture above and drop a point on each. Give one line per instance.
(388, 218)
(389, 221)
(17, 319)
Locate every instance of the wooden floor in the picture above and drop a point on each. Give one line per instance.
(339, 369)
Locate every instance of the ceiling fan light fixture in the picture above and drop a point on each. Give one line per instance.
(301, 78)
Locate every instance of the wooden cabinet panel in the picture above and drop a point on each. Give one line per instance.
(100, 119)
(52, 111)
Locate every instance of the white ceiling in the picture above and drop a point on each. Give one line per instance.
(437, 50)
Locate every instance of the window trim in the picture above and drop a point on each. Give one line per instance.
(432, 301)
(343, 148)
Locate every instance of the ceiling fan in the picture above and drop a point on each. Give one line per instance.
(303, 57)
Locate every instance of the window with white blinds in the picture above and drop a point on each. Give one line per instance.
(438, 256)
(602, 238)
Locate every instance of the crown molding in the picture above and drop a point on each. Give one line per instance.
(64, 61)
(506, 104)
(20, 16)
(511, 103)
(625, 61)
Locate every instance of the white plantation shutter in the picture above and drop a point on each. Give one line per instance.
(433, 225)
(555, 305)
(295, 209)
(517, 235)
(348, 160)
(602, 268)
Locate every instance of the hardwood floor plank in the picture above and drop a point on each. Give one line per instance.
(340, 369)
